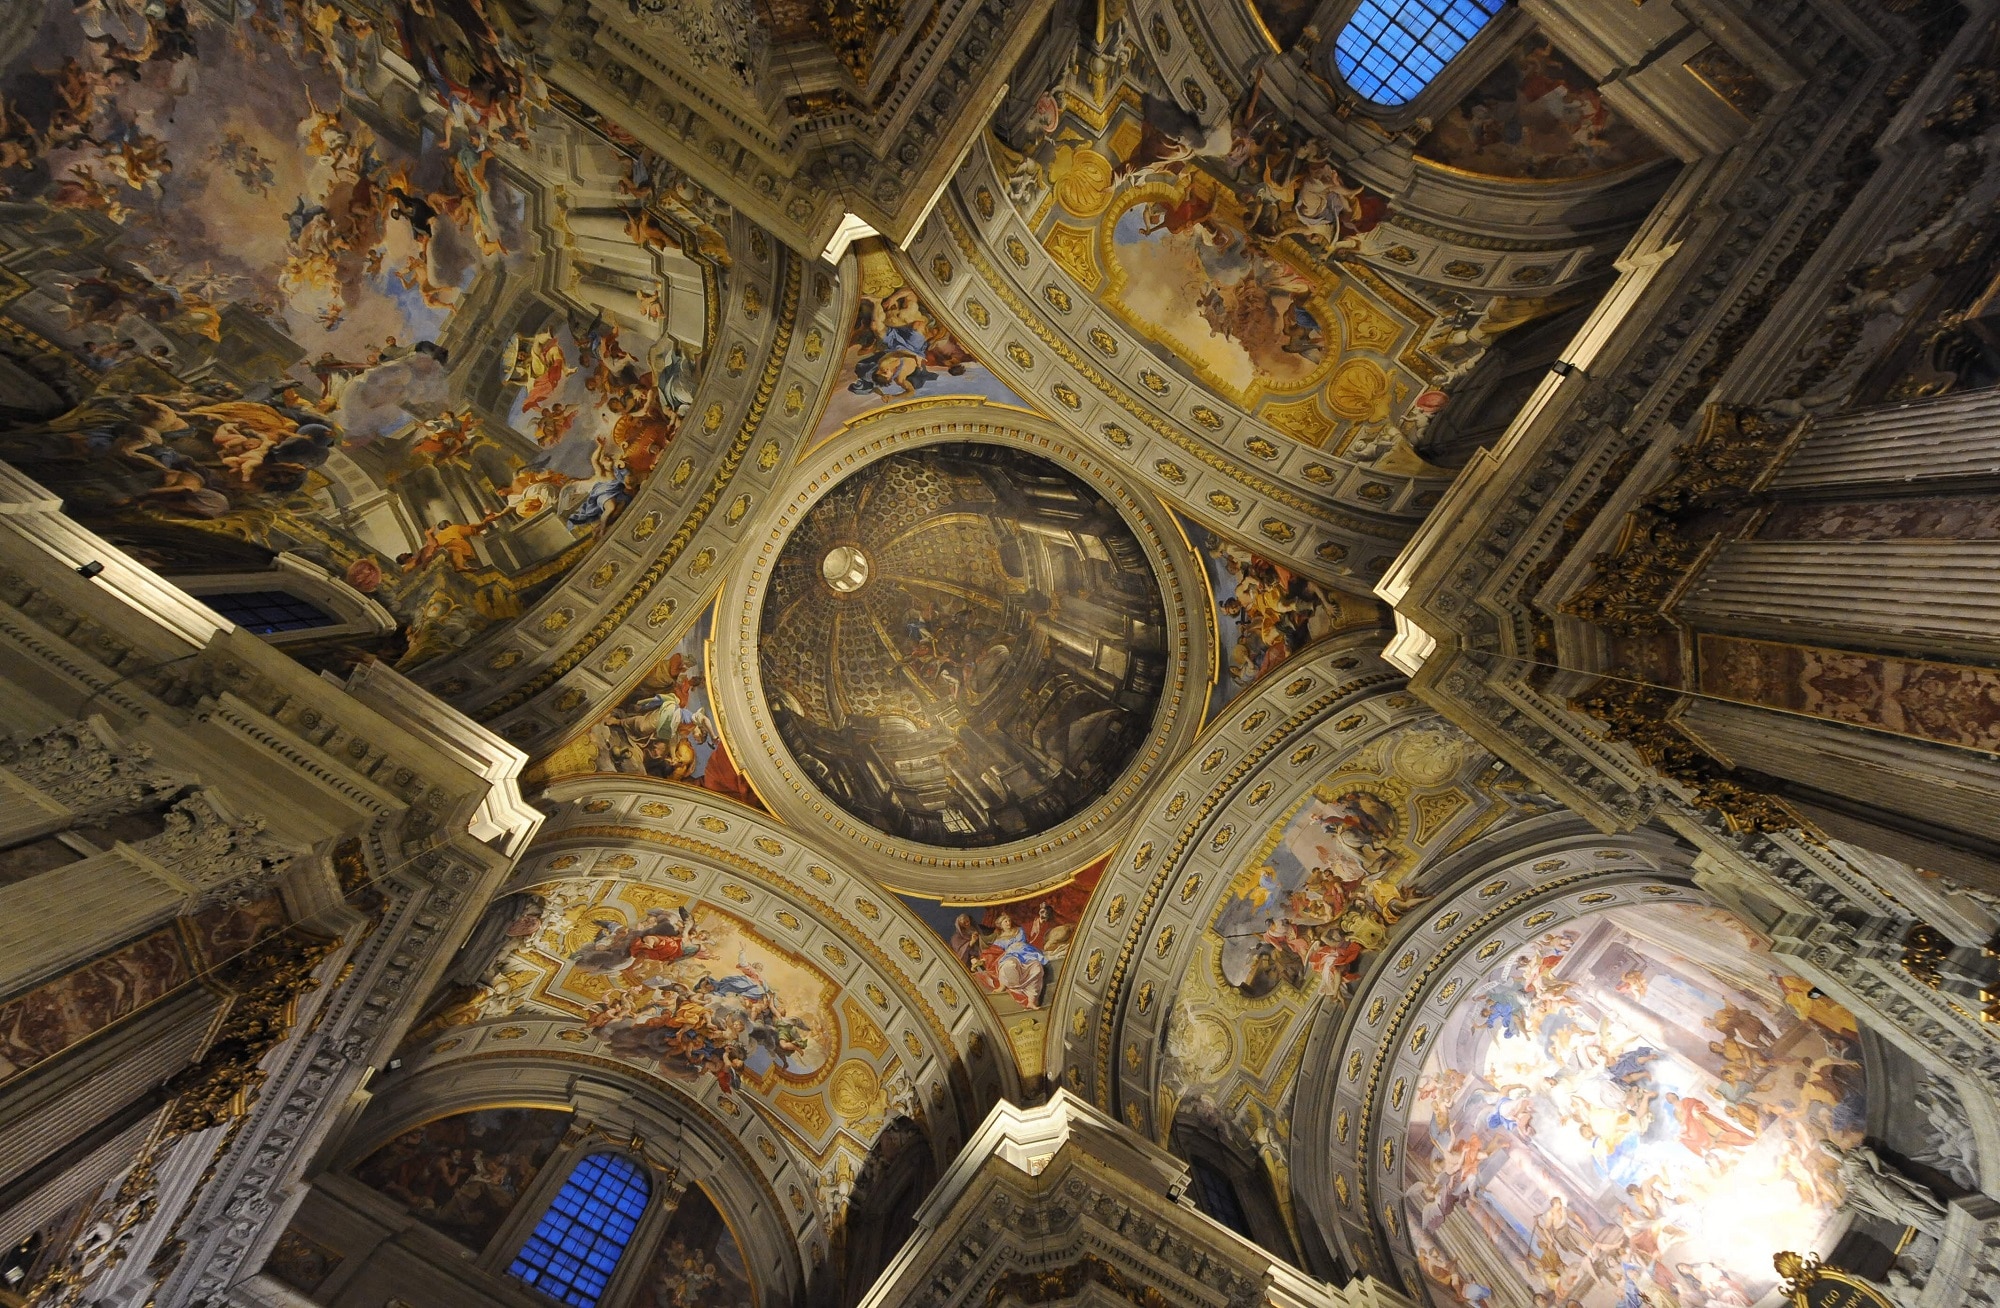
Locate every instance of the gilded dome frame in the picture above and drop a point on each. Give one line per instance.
(1048, 857)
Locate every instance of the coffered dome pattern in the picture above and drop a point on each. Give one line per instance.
(962, 645)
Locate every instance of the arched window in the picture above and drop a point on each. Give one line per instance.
(1391, 49)
(576, 1245)
(269, 612)
(1216, 1195)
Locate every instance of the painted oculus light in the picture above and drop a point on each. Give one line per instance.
(963, 645)
(1630, 1111)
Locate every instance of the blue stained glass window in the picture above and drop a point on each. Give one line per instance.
(1391, 49)
(576, 1245)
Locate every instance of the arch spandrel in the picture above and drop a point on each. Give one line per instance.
(1087, 365)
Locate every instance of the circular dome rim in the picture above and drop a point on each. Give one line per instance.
(1637, 869)
(825, 528)
(1022, 866)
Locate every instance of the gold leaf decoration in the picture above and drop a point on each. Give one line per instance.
(1302, 420)
(1073, 250)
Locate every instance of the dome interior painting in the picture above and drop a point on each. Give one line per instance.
(962, 645)
(1637, 1104)
(290, 272)
(927, 653)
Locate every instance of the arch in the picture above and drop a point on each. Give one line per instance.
(1596, 920)
(672, 1135)
(582, 1236)
(1390, 50)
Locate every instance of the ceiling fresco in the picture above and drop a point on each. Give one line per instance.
(1632, 1107)
(679, 987)
(1284, 21)
(666, 726)
(1014, 950)
(698, 1263)
(962, 645)
(1241, 251)
(274, 292)
(461, 1175)
(1536, 116)
(1310, 908)
(897, 349)
(1265, 612)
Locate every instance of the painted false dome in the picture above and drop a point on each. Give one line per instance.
(963, 645)
(1638, 1106)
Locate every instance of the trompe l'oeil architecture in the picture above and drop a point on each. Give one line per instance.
(998, 653)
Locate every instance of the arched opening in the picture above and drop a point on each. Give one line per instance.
(1228, 1183)
(1215, 1194)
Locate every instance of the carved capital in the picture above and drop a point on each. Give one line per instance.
(265, 984)
(1663, 539)
(227, 860)
(1641, 716)
(88, 770)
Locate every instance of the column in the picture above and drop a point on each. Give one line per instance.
(1952, 438)
(1930, 595)
(1849, 625)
